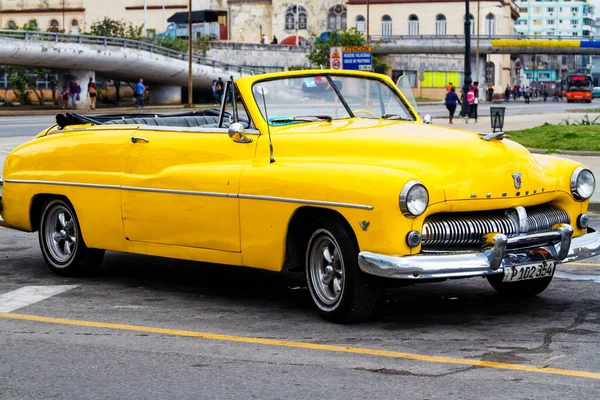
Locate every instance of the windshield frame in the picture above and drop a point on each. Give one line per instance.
(329, 75)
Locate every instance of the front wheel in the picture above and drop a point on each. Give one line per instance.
(61, 242)
(341, 292)
(519, 290)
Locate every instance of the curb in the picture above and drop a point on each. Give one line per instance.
(566, 152)
(103, 110)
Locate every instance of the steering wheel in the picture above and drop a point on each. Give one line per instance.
(358, 111)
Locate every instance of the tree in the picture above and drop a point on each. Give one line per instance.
(319, 54)
(24, 82)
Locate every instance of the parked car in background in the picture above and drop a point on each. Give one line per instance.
(596, 92)
(347, 185)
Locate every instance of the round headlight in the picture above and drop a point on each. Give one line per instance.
(413, 199)
(583, 183)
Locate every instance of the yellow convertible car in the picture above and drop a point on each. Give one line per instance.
(346, 183)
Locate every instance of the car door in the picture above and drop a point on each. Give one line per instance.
(181, 186)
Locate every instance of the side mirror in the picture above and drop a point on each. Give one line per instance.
(427, 119)
(236, 133)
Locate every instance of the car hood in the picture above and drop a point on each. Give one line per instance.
(457, 162)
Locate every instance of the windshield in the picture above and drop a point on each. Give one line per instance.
(305, 99)
(579, 84)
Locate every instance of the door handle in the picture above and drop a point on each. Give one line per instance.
(135, 139)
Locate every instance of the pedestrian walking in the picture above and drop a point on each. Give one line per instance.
(451, 100)
(92, 93)
(507, 93)
(527, 94)
(65, 97)
(214, 92)
(74, 91)
(491, 93)
(545, 93)
(475, 100)
(139, 93)
(265, 40)
(220, 89)
(448, 87)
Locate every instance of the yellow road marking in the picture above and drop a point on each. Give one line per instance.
(302, 345)
(584, 264)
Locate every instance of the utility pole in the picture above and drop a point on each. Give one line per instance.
(467, 78)
(477, 55)
(145, 17)
(368, 3)
(63, 12)
(190, 57)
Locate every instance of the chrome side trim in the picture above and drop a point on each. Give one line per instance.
(197, 193)
(500, 253)
(55, 183)
(195, 129)
(172, 191)
(301, 201)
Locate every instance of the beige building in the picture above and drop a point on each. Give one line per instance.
(429, 74)
(76, 16)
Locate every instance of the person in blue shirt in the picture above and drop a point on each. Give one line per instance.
(139, 93)
(451, 100)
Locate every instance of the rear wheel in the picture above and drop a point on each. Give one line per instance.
(61, 242)
(341, 292)
(521, 289)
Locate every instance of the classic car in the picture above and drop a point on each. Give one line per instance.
(351, 187)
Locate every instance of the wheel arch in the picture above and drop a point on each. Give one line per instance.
(37, 203)
(300, 229)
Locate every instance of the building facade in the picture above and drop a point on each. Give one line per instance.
(76, 16)
(565, 18)
(429, 73)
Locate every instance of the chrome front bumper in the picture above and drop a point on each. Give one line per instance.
(498, 253)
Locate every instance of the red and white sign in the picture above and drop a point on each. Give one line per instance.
(335, 57)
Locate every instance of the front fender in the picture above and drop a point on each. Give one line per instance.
(271, 194)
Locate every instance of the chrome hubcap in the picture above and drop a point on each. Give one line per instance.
(326, 268)
(60, 234)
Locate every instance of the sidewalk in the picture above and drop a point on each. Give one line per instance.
(30, 111)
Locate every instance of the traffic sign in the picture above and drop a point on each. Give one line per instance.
(335, 58)
(357, 60)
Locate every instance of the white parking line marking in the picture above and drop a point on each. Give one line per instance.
(28, 295)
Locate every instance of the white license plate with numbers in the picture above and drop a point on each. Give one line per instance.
(529, 271)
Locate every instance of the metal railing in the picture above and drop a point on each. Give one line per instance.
(38, 36)
(389, 38)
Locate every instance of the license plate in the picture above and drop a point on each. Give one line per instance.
(529, 271)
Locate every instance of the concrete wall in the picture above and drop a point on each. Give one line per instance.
(259, 55)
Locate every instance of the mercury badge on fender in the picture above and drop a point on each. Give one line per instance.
(346, 183)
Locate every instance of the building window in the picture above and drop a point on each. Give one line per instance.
(293, 14)
(53, 26)
(11, 25)
(490, 73)
(550, 9)
(551, 22)
(33, 24)
(336, 19)
(575, 22)
(440, 25)
(410, 76)
(386, 25)
(574, 9)
(413, 25)
(360, 23)
(490, 24)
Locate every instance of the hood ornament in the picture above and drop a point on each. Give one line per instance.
(517, 180)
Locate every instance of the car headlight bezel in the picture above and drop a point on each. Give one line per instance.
(577, 181)
(408, 206)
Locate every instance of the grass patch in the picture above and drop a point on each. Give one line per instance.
(559, 137)
(424, 99)
(584, 110)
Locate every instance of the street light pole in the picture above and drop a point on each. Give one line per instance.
(467, 78)
(368, 4)
(477, 55)
(190, 56)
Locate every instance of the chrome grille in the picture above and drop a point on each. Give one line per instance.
(467, 229)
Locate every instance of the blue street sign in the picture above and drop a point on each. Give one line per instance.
(357, 60)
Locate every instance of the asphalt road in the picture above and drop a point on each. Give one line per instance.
(148, 327)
